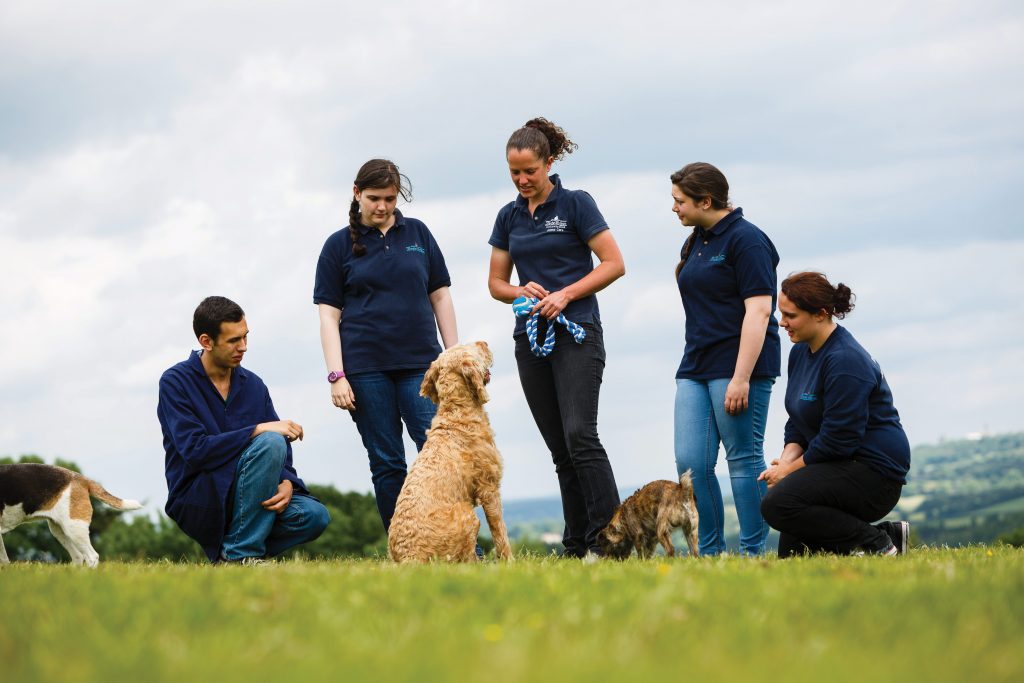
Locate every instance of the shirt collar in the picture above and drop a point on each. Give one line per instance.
(724, 224)
(399, 220)
(195, 364)
(556, 181)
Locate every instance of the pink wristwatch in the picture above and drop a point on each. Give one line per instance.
(333, 376)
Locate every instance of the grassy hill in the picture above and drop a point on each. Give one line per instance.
(966, 491)
(960, 491)
(933, 615)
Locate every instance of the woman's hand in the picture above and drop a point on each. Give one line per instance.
(342, 396)
(775, 473)
(533, 290)
(736, 395)
(552, 305)
(782, 467)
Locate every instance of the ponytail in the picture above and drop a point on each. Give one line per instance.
(543, 138)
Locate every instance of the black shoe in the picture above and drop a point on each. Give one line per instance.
(899, 534)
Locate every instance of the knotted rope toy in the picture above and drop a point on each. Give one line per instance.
(522, 307)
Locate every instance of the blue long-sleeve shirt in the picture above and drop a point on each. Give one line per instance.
(204, 435)
(840, 406)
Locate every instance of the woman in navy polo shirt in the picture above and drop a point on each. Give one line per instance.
(549, 233)
(846, 456)
(726, 277)
(382, 290)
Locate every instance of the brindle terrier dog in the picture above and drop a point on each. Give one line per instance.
(649, 516)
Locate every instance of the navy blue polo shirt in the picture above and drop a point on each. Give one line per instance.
(550, 247)
(203, 437)
(840, 407)
(387, 322)
(729, 263)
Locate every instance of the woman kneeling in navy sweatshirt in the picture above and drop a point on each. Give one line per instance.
(846, 456)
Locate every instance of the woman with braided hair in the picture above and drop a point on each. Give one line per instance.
(726, 278)
(382, 292)
(846, 456)
(549, 234)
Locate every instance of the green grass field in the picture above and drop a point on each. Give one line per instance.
(934, 615)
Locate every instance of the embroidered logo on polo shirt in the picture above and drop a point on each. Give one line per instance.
(717, 259)
(808, 396)
(555, 224)
(416, 247)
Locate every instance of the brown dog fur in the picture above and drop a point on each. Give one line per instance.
(458, 468)
(34, 491)
(649, 516)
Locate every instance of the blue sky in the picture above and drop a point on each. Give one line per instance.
(151, 155)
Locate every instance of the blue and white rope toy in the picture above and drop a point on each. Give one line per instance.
(522, 307)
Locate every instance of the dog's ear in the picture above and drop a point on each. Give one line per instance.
(428, 388)
(475, 381)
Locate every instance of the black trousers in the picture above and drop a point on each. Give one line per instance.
(830, 507)
(562, 391)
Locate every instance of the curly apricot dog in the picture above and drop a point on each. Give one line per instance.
(458, 468)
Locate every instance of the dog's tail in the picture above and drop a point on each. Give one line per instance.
(97, 491)
(686, 482)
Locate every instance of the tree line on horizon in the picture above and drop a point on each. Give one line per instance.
(355, 531)
(969, 491)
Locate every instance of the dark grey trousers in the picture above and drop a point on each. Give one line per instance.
(830, 507)
(562, 391)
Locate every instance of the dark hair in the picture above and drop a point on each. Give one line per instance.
(812, 292)
(543, 138)
(699, 181)
(375, 174)
(211, 312)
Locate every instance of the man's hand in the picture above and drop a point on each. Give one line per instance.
(286, 428)
(279, 501)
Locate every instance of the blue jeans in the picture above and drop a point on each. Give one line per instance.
(254, 531)
(383, 401)
(700, 424)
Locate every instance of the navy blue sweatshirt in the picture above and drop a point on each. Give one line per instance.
(203, 437)
(840, 406)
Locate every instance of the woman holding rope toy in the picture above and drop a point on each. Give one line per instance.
(549, 234)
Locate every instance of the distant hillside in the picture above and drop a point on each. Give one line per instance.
(966, 491)
(962, 491)
(532, 517)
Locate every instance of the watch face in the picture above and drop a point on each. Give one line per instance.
(332, 377)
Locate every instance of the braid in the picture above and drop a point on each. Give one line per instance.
(353, 228)
(375, 173)
(687, 246)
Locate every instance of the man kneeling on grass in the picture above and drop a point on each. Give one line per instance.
(231, 485)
